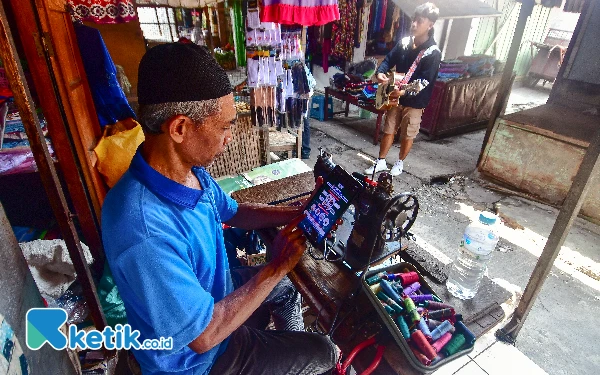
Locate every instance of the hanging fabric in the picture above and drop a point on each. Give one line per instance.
(238, 34)
(103, 11)
(289, 12)
(109, 99)
(343, 31)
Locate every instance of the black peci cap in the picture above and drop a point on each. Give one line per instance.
(178, 72)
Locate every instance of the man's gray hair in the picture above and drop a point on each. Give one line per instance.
(152, 116)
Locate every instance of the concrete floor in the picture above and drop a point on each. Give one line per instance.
(561, 329)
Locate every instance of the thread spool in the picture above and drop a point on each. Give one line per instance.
(454, 345)
(442, 341)
(440, 314)
(421, 298)
(385, 298)
(387, 289)
(432, 305)
(440, 330)
(387, 308)
(376, 278)
(412, 288)
(437, 299)
(421, 342)
(469, 336)
(403, 327)
(408, 278)
(432, 324)
(376, 288)
(397, 287)
(421, 357)
(423, 327)
(411, 310)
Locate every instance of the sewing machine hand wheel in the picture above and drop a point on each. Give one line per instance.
(398, 216)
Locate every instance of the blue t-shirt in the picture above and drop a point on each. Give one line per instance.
(164, 245)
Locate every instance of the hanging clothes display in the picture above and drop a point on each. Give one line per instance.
(103, 11)
(343, 31)
(238, 34)
(305, 13)
(109, 99)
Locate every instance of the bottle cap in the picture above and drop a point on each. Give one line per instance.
(488, 218)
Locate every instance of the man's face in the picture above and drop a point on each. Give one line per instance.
(420, 26)
(204, 143)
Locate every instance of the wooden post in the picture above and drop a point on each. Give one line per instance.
(504, 90)
(568, 212)
(45, 165)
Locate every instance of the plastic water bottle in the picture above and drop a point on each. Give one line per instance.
(479, 241)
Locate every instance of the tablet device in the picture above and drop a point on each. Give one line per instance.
(328, 204)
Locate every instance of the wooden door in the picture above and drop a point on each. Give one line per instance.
(50, 46)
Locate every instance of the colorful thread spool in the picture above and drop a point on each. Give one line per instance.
(375, 278)
(440, 314)
(442, 341)
(411, 309)
(389, 290)
(437, 299)
(432, 323)
(376, 288)
(397, 287)
(469, 336)
(433, 305)
(385, 298)
(421, 298)
(440, 330)
(408, 278)
(454, 345)
(423, 327)
(387, 308)
(421, 357)
(403, 327)
(412, 288)
(421, 342)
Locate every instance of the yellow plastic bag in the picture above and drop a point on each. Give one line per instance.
(116, 148)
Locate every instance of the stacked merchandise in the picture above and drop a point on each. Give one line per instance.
(356, 82)
(479, 65)
(452, 69)
(15, 153)
(466, 66)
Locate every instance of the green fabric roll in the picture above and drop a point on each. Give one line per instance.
(110, 300)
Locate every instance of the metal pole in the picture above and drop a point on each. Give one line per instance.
(504, 89)
(589, 168)
(45, 165)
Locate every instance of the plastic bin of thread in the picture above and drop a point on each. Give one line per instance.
(429, 332)
(317, 107)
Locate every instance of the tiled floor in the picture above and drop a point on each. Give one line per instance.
(491, 357)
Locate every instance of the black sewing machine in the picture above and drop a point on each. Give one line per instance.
(375, 223)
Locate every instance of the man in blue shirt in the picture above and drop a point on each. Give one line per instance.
(162, 232)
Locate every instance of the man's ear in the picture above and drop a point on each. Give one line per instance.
(176, 127)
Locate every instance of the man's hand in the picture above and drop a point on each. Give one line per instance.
(289, 245)
(382, 78)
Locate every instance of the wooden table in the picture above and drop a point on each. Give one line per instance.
(349, 99)
(333, 291)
